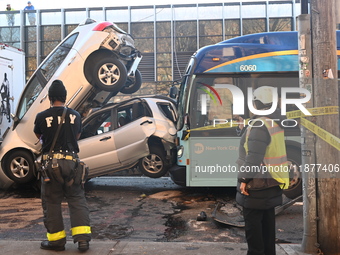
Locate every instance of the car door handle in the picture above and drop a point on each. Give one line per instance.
(43, 99)
(147, 121)
(72, 59)
(105, 138)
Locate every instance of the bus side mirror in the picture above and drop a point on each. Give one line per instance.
(173, 92)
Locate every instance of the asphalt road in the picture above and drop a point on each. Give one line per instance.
(142, 209)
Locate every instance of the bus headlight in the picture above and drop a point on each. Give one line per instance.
(180, 151)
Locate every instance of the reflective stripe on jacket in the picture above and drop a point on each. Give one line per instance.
(275, 158)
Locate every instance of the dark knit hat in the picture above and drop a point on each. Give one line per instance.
(57, 89)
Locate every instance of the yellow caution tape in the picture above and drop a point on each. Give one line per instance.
(186, 135)
(216, 126)
(317, 111)
(314, 111)
(210, 127)
(323, 134)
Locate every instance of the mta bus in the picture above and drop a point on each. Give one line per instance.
(207, 144)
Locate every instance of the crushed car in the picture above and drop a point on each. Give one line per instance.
(139, 131)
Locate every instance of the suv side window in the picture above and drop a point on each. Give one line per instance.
(100, 123)
(124, 115)
(140, 110)
(168, 111)
(51, 64)
(132, 112)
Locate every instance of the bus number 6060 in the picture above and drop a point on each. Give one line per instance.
(247, 68)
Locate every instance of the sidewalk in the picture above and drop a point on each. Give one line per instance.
(13, 247)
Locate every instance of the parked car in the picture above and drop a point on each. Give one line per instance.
(139, 131)
(95, 62)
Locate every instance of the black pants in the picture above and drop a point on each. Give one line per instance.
(52, 195)
(260, 231)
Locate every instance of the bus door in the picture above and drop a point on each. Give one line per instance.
(213, 142)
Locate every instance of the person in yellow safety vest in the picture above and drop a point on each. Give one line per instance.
(263, 174)
(63, 174)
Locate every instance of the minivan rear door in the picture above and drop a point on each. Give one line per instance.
(132, 133)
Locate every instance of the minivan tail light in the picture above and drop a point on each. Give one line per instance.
(101, 26)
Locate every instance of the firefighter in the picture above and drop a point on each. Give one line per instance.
(62, 171)
(263, 174)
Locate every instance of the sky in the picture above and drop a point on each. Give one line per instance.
(57, 4)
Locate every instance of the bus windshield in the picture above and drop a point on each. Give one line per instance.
(211, 102)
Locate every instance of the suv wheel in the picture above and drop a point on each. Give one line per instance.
(154, 165)
(19, 166)
(133, 84)
(109, 74)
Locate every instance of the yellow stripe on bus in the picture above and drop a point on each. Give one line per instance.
(261, 55)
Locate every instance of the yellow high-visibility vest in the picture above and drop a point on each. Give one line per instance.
(275, 158)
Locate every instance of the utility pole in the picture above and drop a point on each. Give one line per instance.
(326, 93)
(309, 240)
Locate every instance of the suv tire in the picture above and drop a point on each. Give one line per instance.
(19, 166)
(154, 164)
(109, 74)
(133, 84)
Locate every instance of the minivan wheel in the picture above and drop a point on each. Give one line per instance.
(109, 74)
(295, 177)
(133, 84)
(154, 165)
(19, 166)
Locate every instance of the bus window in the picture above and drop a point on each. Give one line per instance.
(211, 104)
(278, 81)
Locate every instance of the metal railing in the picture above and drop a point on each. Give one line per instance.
(165, 41)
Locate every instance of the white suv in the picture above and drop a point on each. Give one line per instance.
(95, 62)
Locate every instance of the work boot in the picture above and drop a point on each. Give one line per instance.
(83, 245)
(46, 245)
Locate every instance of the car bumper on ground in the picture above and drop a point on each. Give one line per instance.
(178, 174)
(5, 182)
